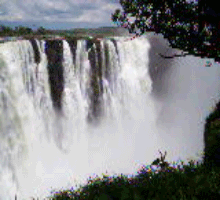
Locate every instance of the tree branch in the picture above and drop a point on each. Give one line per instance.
(173, 56)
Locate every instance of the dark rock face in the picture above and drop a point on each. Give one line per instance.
(212, 139)
(73, 47)
(96, 90)
(54, 52)
(89, 44)
(107, 71)
(36, 51)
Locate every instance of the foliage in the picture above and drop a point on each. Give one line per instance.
(191, 181)
(6, 30)
(212, 138)
(18, 31)
(41, 31)
(178, 21)
(22, 31)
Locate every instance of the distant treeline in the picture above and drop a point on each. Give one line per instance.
(21, 31)
(74, 32)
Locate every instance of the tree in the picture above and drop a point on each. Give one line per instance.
(21, 30)
(189, 26)
(209, 15)
(41, 30)
(6, 31)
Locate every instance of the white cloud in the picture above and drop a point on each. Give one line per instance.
(110, 7)
(11, 18)
(98, 15)
(91, 11)
(92, 16)
(86, 1)
(57, 5)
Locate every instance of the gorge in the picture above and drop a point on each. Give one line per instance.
(71, 108)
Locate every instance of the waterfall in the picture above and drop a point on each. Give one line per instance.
(71, 108)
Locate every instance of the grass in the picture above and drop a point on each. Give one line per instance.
(160, 180)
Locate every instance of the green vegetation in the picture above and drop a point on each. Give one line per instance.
(6, 31)
(188, 25)
(42, 33)
(191, 181)
(212, 138)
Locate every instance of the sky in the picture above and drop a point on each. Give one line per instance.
(58, 14)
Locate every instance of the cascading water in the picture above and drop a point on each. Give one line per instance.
(72, 108)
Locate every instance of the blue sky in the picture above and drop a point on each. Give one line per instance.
(58, 14)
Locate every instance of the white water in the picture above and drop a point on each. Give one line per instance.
(40, 150)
